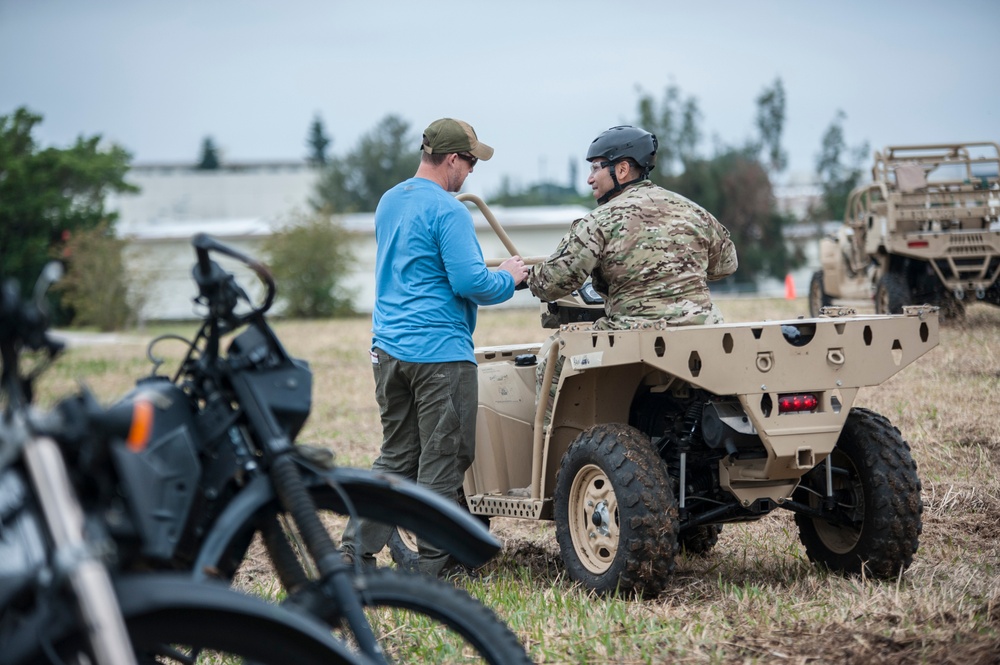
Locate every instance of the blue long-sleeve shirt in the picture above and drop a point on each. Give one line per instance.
(430, 275)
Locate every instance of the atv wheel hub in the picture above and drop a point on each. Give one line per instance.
(593, 518)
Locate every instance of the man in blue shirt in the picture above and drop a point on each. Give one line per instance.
(430, 278)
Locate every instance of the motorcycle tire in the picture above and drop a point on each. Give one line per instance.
(171, 619)
(423, 619)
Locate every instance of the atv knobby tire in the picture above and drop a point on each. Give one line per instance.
(892, 294)
(952, 309)
(818, 296)
(698, 540)
(615, 514)
(877, 491)
(403, 546)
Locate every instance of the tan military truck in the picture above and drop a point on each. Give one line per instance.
(924, 230)
(660, 435)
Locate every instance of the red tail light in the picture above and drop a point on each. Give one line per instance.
(918, 244)
(797, 403)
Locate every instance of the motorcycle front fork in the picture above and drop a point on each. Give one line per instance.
(73, 557)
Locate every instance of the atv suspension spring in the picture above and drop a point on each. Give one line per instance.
(692, 419)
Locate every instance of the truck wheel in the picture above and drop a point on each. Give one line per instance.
(403, 546)
(876, 518)
(700, 539)
(891, 294)
(952, 309)
(615, 513)
(817, 295)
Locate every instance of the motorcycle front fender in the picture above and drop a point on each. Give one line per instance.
(377, 496)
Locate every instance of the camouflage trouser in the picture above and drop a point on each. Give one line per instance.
(428, 413)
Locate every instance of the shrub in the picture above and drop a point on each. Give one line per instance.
(94, 289)
(309, 258)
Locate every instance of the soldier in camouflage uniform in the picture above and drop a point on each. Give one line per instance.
(648, 251)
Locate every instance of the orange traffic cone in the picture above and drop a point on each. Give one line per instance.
(789, 287)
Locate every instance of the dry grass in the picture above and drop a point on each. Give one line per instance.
(755, 597)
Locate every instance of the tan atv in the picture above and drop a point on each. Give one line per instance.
(925, 230)
(661, 435)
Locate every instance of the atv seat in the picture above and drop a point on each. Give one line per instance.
(910, 177)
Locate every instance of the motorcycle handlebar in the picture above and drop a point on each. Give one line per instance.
(211, 277)
(26, 322)
(202, 244)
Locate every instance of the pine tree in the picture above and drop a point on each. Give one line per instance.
(209, 155)
(317, 142)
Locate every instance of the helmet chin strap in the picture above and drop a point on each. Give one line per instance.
(611, 193)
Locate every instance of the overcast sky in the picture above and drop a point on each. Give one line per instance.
(538, 80)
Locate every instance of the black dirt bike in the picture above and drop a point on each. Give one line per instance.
(219, 444)
(63, 599)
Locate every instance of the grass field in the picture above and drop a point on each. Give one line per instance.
(754, 598)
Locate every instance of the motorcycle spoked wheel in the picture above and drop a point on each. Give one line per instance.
(206, 623)
(408, 611)
(417, 618)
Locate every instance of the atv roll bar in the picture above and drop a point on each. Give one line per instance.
(499, 230)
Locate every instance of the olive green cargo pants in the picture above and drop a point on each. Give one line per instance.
(428, 413)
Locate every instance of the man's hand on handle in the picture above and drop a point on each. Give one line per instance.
(515, 266)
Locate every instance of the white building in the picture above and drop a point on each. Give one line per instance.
(242, 205)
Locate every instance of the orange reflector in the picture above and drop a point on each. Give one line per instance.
(142, 426)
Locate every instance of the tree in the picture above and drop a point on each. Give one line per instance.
(838, 169)
(48, 194)
(771, 124)
(309, 258)
(736, 188)
(574, 173)
(384, 157)
(539, 194)
(317, 143)
(675, 124)
(209, 160)
(734, 185)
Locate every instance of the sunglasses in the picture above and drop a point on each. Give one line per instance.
(469, 158)
(597, 166)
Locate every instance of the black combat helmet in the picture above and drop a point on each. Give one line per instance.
(624, 142)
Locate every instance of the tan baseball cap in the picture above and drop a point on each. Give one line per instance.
(450, 135)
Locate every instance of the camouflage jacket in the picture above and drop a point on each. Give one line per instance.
(649, 251)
